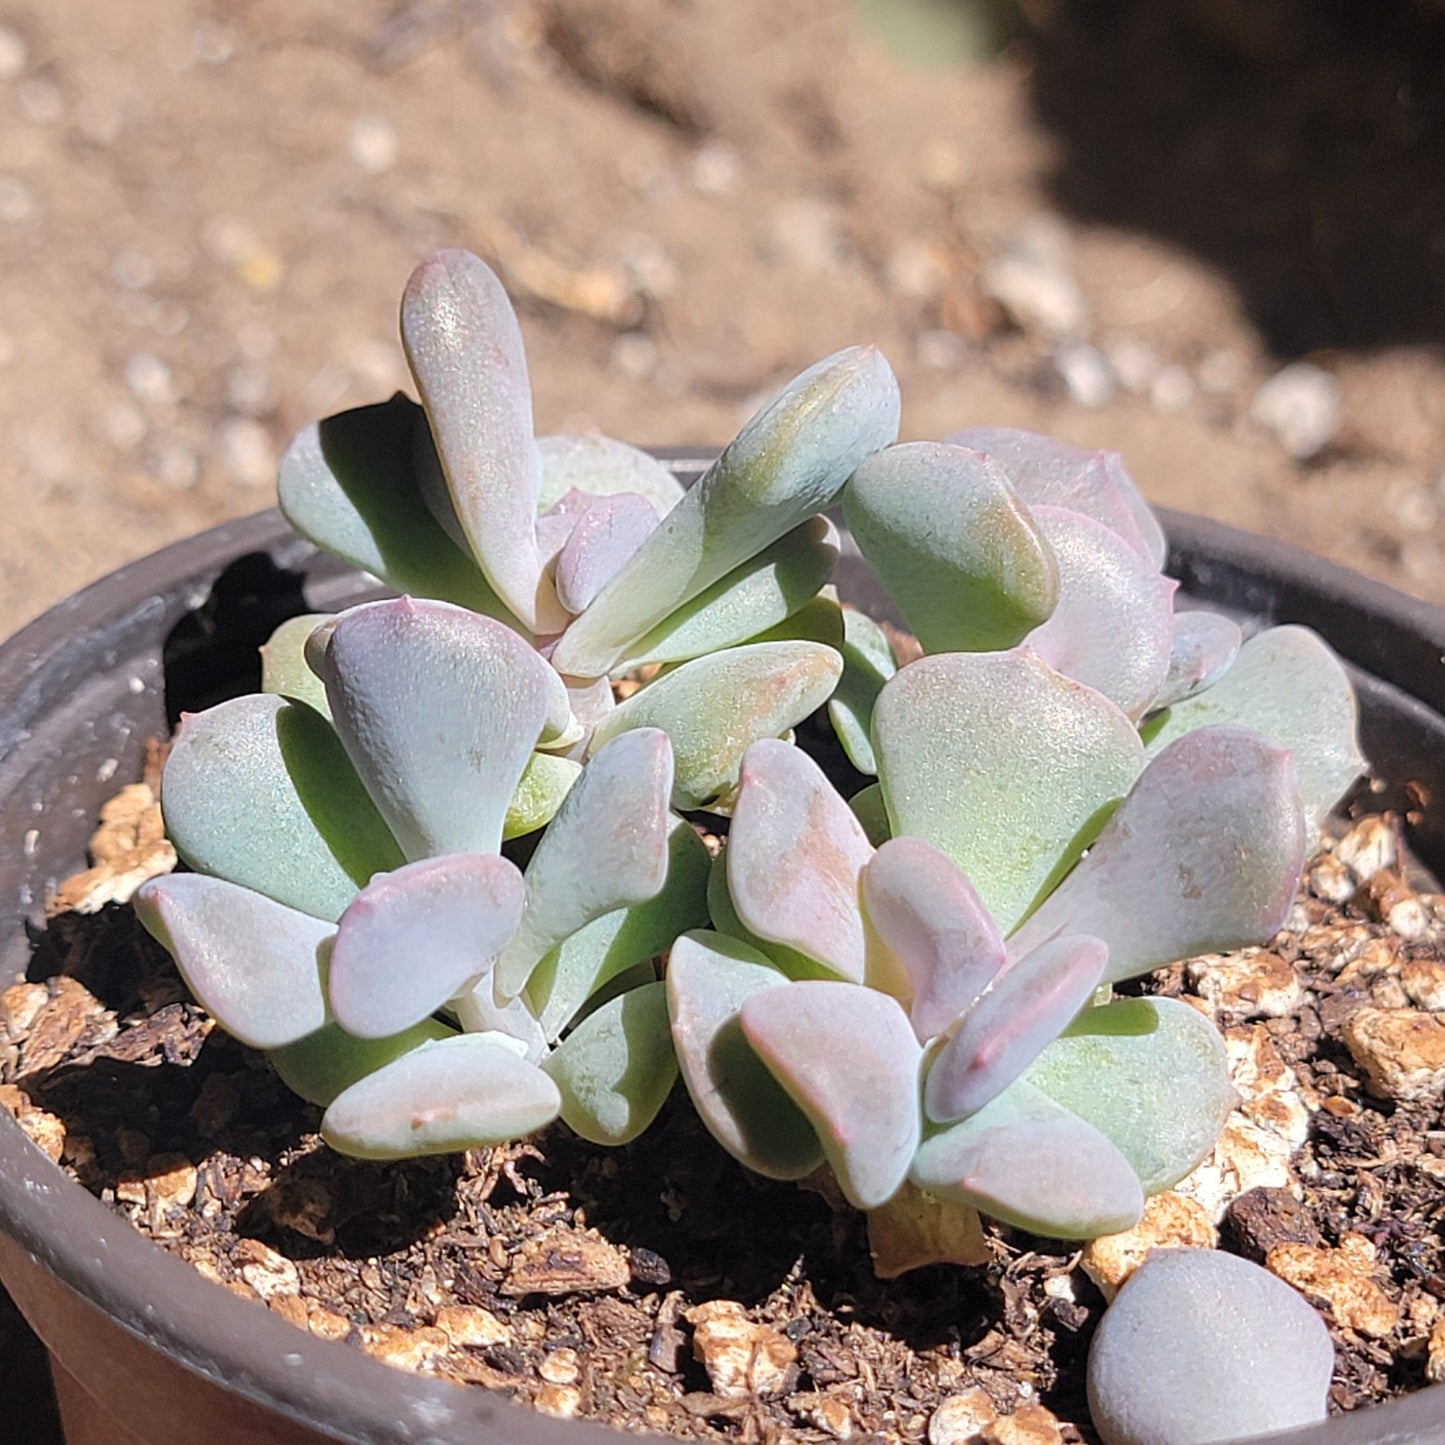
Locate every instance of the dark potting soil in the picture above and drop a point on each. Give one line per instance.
(661, 1287)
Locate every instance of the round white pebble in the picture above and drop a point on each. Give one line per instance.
(1203, 1346)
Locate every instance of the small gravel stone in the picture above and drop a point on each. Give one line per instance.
(1264, 1218)
(1170, 1221)
(1086, 374)
(1370, 846)
(1032, 281)
(1435, 1353)
(1203, 1346)
(561, 1401)
(372, 143)
(741, 1358)
(1030, 1424)
(1301, 406)
(1253, 986)
(1172, 390)
(1343, 1278)
(471, 1325)
(404, 1349)
(12, 55)
(961, 1419)
(826, 1412)
(1331, 879)
(1402, 1051)
(1423, 980)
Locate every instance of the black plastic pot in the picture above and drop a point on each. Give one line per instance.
(146, 1352)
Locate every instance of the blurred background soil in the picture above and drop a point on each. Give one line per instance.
(1209, 233)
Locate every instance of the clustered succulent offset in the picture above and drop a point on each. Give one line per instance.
(444, 878)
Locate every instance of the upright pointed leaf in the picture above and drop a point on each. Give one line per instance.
(465, 1092)
(1113, 627)
(350, 485)
(417, 937)
(617, 1067)
(465, 350)
(931, 918)
(610, 945)
(1051, 473)
(1203, 647)
(785, 466)
(1002, 764)
(259, 791)
(1288, 685)
(606, 535)
(253, 963)
(600, 466)
(793, 858)
(847, 1057)
(439, 710)
(1150, 1074)
(1203, 855)
(1029, 1162)
(1010, 1026)
(758, 594)
(868, 663)
(607, 848)
(953, 545)
(709, 978)
(284, 669)
(714, 708)
(329, 1060)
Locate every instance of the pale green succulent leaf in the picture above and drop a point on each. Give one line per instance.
(1202, 650)
(599, 544)
(284, 668)
(329, 1060)
(725, 920)
(871, 811)
(600, 466)
(617, 1067)
(868, 663)
(819, 619)
(545, 782)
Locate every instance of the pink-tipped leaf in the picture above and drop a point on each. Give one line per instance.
(598, 546)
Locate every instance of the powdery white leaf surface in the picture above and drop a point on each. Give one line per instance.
(1030, 1003)
(573, 971)
(605, 536)
(465, 350)
(466, 1092)
(1204, 855)
(1051, 473)
(413, 939)
(714, 708)
(1151, 1074)
(1003, 765)
(1288, 685)
(253, 963)
(1029, 1162)
(1204, 1346)
(953, 544)
(349, 485)
(607, 848)
(709, 978)
(786, 465)
(932, 920)
(1203, 647)
(617, 1067)
(324, 1063)
(478, 1012)
(793, 857)
(1113, 627)
(259, 791)
(725, 919)
(848, 1058)
(759, 594)
(439, 711)
(599, 466)
(284, 668)
(868, 663)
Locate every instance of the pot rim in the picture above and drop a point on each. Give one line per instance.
(335, 1389)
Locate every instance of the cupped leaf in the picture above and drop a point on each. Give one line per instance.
(605, 536)
(255, 964)
(349, 485)
(1050, 473)
(759, 594)
(600, 466)
(259, 791)
(1028, 1006)
(847, 1057)
(714, 708)
(610, 945)
(709, 978)
(1203, 855)
(439, 711)
(1151, 1074)
(285, 671)
(785, 466)
(544, 784)
(465, 350)
(617, 1067)
(1113, 627)
(1002, 764)
(725, 920)
(1029, 1162)
(953, 544)
(415, 938)
(793, 857)
(868, 663)
(607, 848)
(324, 1063)
(932, 920)
(465, 1092)
(872, 812)
(1288, 685)
(1203, 647)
